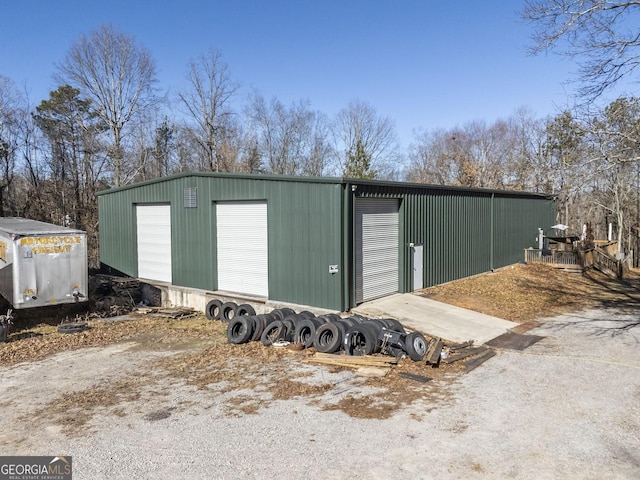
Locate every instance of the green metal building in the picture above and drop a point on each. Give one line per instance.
(325, 242)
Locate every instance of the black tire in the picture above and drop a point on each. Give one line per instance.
(274, 332)
(332, 317)
(72, 327)
(281, 313)
(376, 323)
(240, 330)
(287, 311)
(269, 318)
(290, 328)
(395, 325)
(245, 309)
(306, 331)
(348, 322)
(342, 327)
(416, 346)
(293, 318)
(259, 323)
(305, 314)
(3, 333)
(328, 338)
(212, 310)
(228, 311)
(360, 340)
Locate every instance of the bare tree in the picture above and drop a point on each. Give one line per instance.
(118, 75)
(614, 164)
(291, 140)
(602, 35)
(13, 111)
(429, 161)
(497, 155)
(207, 104)
(367, 141)
(525, 159)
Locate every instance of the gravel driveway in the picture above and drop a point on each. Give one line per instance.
(568, 406)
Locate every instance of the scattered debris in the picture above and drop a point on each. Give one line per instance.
(460, 346)
(128, 288)
(6, 322)
(478, 360)
(464, 353)
(514, 341)
(352, 361)
(72, 327)
(168, 312)
(433, 353)
(417, 378)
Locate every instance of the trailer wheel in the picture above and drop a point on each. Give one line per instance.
(416, 346)
(228, 311)
(240, 330)
(72, 327)
(212, 310)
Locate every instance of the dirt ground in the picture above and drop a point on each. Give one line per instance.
(145, 375)
(202, 357)
(524, 293)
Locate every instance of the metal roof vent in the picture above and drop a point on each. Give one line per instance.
(190, 197)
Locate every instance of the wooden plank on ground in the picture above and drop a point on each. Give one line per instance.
(352, 361)
(433, 354)
(478, 360)
(467, 352)
(459, 346)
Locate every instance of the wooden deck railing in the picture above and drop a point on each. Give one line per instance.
(606, 264)
(559, 258)
(580, 260)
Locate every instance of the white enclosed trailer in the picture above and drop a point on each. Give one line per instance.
(41, 263)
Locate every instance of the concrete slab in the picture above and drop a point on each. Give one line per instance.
(436, 318)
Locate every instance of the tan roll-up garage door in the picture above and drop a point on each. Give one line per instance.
(242, 247)
(377, 257)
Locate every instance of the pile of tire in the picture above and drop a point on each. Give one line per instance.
(330, 333)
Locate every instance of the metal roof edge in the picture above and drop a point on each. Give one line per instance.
(246, 176)
(332, 180)
(430, 186)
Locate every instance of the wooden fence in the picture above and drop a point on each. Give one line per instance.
(556, 258)
(576, 260)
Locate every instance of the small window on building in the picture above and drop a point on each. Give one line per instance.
(190, 197)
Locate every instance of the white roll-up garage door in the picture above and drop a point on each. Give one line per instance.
(153, 228)
(242, 247)
(376, 234)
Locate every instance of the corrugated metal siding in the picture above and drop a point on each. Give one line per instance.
(516, 223)
(305, 238)
(305, 232)
(310, 228)
(455, 228)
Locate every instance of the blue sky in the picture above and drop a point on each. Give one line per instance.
(426, 64)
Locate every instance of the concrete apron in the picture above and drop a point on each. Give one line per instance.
(436, 319)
